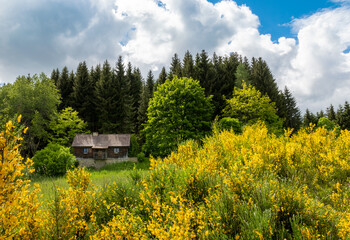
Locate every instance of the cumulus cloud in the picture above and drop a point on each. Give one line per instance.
(39, 35)
(320, 71)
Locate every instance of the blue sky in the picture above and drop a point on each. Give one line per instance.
(275, 16)
(305, 43)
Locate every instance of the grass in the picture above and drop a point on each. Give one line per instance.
(117, 172)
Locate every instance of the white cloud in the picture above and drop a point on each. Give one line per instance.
(39, 35)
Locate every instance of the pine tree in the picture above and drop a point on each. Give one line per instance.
(291, 113)
(125, 104)
(107, 99)
(82, 93)
(55, 75)
(175, 67)
(65, 85)
(346, 117)
(263, 80)
(202, 68)
(188, 65)
(217, 84)
(133, 77)
(95, 74)
(142, 111)
(150, 83)
(128, 101)
(161, 78)
(331, 113)
(309, 117)
(242, 74)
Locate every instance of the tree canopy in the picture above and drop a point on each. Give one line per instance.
(179, 111)
(249, 106)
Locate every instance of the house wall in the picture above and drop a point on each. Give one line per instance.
(123, 152)
(79, 152)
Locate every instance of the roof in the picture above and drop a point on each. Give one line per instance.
(101, 141)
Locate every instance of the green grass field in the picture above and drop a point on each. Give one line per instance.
(118, 172)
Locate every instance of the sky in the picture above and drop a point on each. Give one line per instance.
(305, 43)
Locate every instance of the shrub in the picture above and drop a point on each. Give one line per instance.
(53, 160)
(19, 212)
(134, 146)
(141, 157)
(229, 123)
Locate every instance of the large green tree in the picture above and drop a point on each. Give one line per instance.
(250, 106)
(178, 111)
(36, 98)
(65, 126)
(107, 100)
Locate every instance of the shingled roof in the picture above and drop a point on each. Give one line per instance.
(101, 141)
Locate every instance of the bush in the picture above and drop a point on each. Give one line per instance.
(141, 157)
(134, 146)
(228, 123)
(53, 160)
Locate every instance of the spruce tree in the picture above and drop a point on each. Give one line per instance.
(133, 77)
(188, 65)
(263, 80)
(142, 110)
(175, 67)
(150, 83)
(161, 78)
(202, 69)
(331, 113)
(242, 74)
(346, 117)
(291, 112)
(107, 97)
(55, 75)
(95, 74)
(309, 117)
(65, 85)
(82, 93)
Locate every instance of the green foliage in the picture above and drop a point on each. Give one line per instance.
(36, 98)
(66, 126)
(249, 106)
(328, 124)
(228, 123)
(141, 157)
(290, 111)
(134, 146)
(53, 160)
(178, 111)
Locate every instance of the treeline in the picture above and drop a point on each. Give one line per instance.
(115, 99)
(340, 117)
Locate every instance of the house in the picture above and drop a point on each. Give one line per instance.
(97, 150)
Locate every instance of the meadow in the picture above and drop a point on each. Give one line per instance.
(118, 172)
(252, 185)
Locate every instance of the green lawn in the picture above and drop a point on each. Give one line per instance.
(118, 172)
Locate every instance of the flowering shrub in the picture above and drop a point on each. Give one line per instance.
(19, 212)
(252, 185)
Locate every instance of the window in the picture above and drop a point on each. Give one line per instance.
(116, 150)
(86, 150)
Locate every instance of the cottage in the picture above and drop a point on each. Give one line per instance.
(97, 150)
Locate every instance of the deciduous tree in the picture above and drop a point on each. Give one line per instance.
(179, 111)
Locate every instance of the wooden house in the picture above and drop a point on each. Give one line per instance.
(101, 146)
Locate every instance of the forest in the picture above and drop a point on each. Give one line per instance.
(230, 155)
(115, 99)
